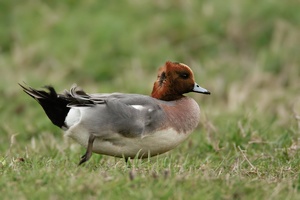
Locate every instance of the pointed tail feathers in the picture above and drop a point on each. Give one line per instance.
(54, 105)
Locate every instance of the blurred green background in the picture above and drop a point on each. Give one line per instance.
(245, 52)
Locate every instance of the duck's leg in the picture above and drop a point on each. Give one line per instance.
(126, 159)
(128, 162)
(89, 150)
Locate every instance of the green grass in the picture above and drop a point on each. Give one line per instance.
(245, 52)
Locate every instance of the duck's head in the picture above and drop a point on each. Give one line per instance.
(173, 80)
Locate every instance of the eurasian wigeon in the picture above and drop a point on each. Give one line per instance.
(127, 125)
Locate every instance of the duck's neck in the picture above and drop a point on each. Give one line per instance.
(165, 94)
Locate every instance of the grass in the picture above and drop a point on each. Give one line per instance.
(244, 52)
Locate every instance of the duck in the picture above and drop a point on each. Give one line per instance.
(126, 125)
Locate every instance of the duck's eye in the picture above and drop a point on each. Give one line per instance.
(184, 75)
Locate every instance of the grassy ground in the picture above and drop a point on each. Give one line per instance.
(245, 52)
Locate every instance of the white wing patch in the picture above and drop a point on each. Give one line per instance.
(138, 107)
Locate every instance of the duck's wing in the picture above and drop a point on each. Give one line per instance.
(127, 114)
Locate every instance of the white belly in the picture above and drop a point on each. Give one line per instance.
(119, 146)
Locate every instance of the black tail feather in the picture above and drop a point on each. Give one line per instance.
(54, 105)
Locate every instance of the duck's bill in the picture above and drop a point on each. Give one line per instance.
(199, 89)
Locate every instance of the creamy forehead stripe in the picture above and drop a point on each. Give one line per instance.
(184, 65)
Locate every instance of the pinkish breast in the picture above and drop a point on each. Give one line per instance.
(183, 115)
